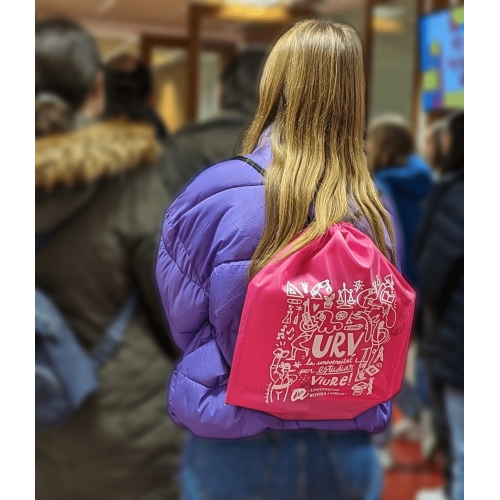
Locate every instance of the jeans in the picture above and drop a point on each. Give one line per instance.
(422, 382)
(408, 400)
(283, 466)
(454, 401)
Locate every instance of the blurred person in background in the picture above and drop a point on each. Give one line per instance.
(439, 256)
(99, 204)
(429, 388)
(382, 440)
(389, 204)
(406, 179)
(129, 93)
(208, 251)
(433, 149)
(402, 174)
(201, 144)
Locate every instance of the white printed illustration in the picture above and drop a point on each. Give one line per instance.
(282, 376)
(345, 299)
(331, 342)
(307, 328)
(298, 394)
(324, 285)
(293, 291)
(288, 318)
(358, 389)
(329, 301)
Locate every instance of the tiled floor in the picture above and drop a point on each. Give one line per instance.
(411, 472)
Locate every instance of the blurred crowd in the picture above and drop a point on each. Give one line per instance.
(106, 169)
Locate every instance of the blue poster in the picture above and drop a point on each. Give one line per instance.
(442, 59)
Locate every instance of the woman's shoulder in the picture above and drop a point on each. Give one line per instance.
(230, 185)
(219, 217)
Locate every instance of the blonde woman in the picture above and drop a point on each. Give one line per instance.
(305, 145)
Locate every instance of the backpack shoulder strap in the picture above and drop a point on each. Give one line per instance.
(115, 332)
(262, 172)
(253, 164)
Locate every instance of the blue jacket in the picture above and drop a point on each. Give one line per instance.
(407, 185)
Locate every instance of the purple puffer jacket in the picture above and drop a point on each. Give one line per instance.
(209, 235)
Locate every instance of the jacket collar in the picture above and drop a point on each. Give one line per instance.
(88, 154)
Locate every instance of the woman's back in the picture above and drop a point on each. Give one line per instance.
(229, 223)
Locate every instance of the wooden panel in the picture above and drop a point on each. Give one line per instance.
(157, 12)
(440, 4)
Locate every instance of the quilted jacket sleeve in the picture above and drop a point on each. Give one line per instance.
(183, 298)
(209, 234)
(201, 273)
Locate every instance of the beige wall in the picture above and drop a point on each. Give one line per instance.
(171, 93)
(171, 86)
(393, 51)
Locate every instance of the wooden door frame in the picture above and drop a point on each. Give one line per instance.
(200, 12)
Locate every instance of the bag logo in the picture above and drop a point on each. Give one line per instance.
(331, 342)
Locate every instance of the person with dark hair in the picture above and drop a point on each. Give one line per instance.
(240, 81)
(99, 205)
(439, 257)
(68, 77)
(129, 87)
(201, 144)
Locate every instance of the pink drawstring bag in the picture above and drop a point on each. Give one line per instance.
(324, 332)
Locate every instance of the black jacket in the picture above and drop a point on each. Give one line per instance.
(439, 255)
(200, 145)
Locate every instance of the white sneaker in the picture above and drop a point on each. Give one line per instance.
(437, 494)
(386, 457)
(406, 428)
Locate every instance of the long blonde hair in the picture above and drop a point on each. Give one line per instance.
(312, 93)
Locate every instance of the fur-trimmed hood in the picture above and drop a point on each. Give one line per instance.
(91, 153)
(68, 166)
